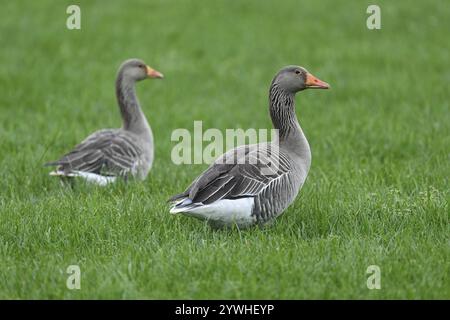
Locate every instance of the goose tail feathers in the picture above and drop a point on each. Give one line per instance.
(87, 176)
(183, 205)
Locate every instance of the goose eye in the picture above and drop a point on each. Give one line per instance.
(297, 71)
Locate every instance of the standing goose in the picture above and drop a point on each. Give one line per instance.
(236, 189)
(106, 154)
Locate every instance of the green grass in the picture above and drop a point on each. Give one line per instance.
(378, 188)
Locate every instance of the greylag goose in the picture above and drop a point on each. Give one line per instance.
(110, 153)
(235, 190)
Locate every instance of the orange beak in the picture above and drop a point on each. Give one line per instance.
(152, 73)
(315, 83)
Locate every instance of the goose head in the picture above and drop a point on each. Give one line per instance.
(137, 70)
(294, 79)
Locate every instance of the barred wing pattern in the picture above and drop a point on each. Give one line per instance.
(244, 172)
(110, 152)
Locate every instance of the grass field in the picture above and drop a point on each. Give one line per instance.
(378, 188)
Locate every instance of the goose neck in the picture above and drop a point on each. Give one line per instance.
(284, 119)
(132, 116)
(282, 112)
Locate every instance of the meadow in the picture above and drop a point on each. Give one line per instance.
(377, 192)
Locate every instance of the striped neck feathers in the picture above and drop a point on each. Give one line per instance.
(132, 116)
(284, 119)
(282, 111)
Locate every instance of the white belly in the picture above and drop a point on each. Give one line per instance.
(93, 177)
(225, 212)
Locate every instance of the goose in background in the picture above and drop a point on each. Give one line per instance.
(110, 153)
(237, 189)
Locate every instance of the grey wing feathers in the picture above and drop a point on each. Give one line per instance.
(107, 152)
(232, 181)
